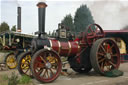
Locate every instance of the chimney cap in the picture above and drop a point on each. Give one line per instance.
(19, 30)
(42, 5)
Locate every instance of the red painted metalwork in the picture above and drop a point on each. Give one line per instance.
(46, 66)
(69, 48)
(92, 33)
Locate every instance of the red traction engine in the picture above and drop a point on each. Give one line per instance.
(90, 50)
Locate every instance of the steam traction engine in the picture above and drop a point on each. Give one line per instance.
(90, 50)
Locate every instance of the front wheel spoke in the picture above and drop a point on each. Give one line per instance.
(47, 74)
(40, 71)
(54, 64)
(44, 74)
(43, 59)
(51, 71)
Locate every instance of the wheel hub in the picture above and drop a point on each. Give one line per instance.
(48, 65)
(108, 56)
(11, 60)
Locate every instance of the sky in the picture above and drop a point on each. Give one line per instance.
(110, 14)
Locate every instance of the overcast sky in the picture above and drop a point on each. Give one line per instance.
(110, 14)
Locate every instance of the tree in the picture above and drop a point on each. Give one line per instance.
(4, 27)
(13, 28)
(68, 22)
(82, 18)
(125, 28)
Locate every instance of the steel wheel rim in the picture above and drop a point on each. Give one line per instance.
(47, 70)
(11, 61)
(109, 57)
(25, 65)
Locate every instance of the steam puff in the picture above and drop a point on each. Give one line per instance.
(41, 0)
(17, 3)
(110, 15)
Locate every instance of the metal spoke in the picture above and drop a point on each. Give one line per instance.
(40, 71)
(112, 63)
(44, 73)
(51, 71)
(99, 53)
(96, 29)
(27, 70)
(103, 48)
(24, 66)
(102, 65)
(91, 29)
(107, 66)
(107, 48)
(114, 55)
(43, 59)
(112, 46)
(101, 60)
(47, 73)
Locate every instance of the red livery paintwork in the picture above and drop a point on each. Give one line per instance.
(69, 48)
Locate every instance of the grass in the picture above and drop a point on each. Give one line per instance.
(24, 79)
(4, 77)
(14, 79)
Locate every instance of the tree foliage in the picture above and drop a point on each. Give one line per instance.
(13, 28)
(125, 28)
(82, 18)
(68, 22)
(4, 27)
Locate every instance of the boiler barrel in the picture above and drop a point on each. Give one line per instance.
(69, 48)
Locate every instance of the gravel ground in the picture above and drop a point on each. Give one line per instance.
(92, 78)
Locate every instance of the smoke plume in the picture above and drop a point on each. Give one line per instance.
(111, 15)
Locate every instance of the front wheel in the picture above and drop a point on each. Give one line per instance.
(46, 65)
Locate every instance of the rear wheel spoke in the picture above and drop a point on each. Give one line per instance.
(112, 64)
(101, 60)
(102, 54)
(103, 48)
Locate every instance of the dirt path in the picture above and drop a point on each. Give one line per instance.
(91, 78)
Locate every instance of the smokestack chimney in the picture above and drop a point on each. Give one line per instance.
(41, 15)
(19, 19)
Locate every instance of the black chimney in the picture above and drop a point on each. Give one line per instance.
(41, 15)
(19, 19)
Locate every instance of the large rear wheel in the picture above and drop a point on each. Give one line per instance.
(46, 65)
(105, 55)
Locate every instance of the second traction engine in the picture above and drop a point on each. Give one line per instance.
(89, 50)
